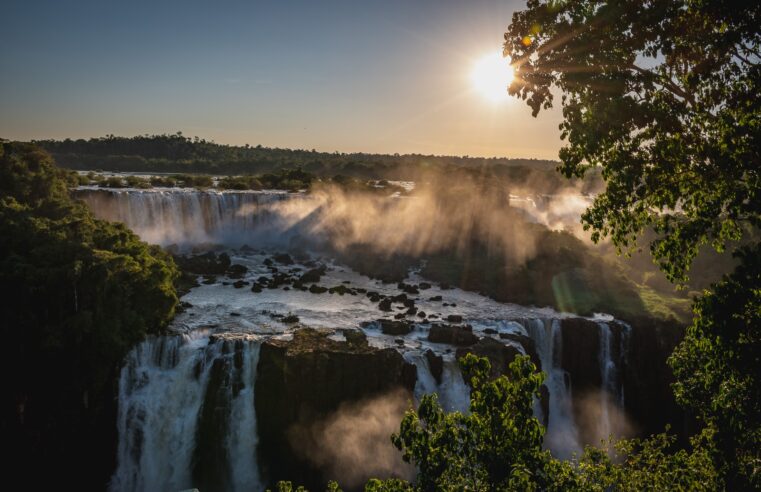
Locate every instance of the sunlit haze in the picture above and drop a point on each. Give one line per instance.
(387, 77)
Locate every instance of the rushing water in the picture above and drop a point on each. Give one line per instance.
(186, 402)
(170, 395)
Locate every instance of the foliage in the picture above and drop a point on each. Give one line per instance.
(665, 98)
(498, 446)
(179, 154)
(718, 369)
(77, 294)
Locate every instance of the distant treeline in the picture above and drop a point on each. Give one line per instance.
(179, 154)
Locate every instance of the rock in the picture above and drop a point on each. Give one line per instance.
(411, 289)
(452, 334)
(256, 288)
(312, 276)
(490, 331)
(399, 316)
(424, 286)
(401, 298)
(317, 289)
(435, 298)
(528, 346)
(301, 381)
(409, 303)
(204, 264)
(444, 286)
(238, 284)
(435, 364)
(209, 280)
(236, 271)
(421, 314)
(283, 259)
(340, 290)
(499, 354)
(389, 327)
(267, 262)
(454, 318)
(385, 305)
(412, 311)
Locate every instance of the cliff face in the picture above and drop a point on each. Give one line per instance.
(303, 380)
(643, 372)
(649, 398)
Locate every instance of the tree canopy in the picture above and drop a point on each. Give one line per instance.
(664, 96)
(77, 294)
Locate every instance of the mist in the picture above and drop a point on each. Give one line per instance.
(353, 444)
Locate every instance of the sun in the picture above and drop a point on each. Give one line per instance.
(491, 75)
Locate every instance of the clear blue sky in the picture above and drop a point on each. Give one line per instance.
(378, 76)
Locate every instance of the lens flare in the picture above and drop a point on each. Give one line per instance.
(491, 75)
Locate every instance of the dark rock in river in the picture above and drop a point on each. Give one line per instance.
(238, 284)
(317, 289)
(204, 264)
(385, 305)
(312, 276)
(454, 318)
(452, 334)
(395, 327)
(303, 380)
(283, 259)
(236, 271)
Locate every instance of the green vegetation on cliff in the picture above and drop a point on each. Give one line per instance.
(77, 293)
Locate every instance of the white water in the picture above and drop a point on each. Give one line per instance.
(453, 394)
(164, 381)
(182, 217)
(562, 436)
(161, 392)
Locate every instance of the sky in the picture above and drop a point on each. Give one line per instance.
(349, 76)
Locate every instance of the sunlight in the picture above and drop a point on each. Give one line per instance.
(491, 75)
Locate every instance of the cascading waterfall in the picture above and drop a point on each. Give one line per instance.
(186, 415)
(181, 217)
(562, 435)
(607, 377)
(612, 389)
(453, 393)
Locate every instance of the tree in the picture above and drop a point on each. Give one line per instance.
(497, 446)
(77, 294)
(665, 97)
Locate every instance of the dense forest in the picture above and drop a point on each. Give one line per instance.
(179, 154)
(78, 293)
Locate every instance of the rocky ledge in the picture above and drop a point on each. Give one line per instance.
(302, 380)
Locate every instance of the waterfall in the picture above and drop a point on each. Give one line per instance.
(188, 217)
(608, 387)
(453, 393)
(186, 415)
(611, 358)
(562, 435)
